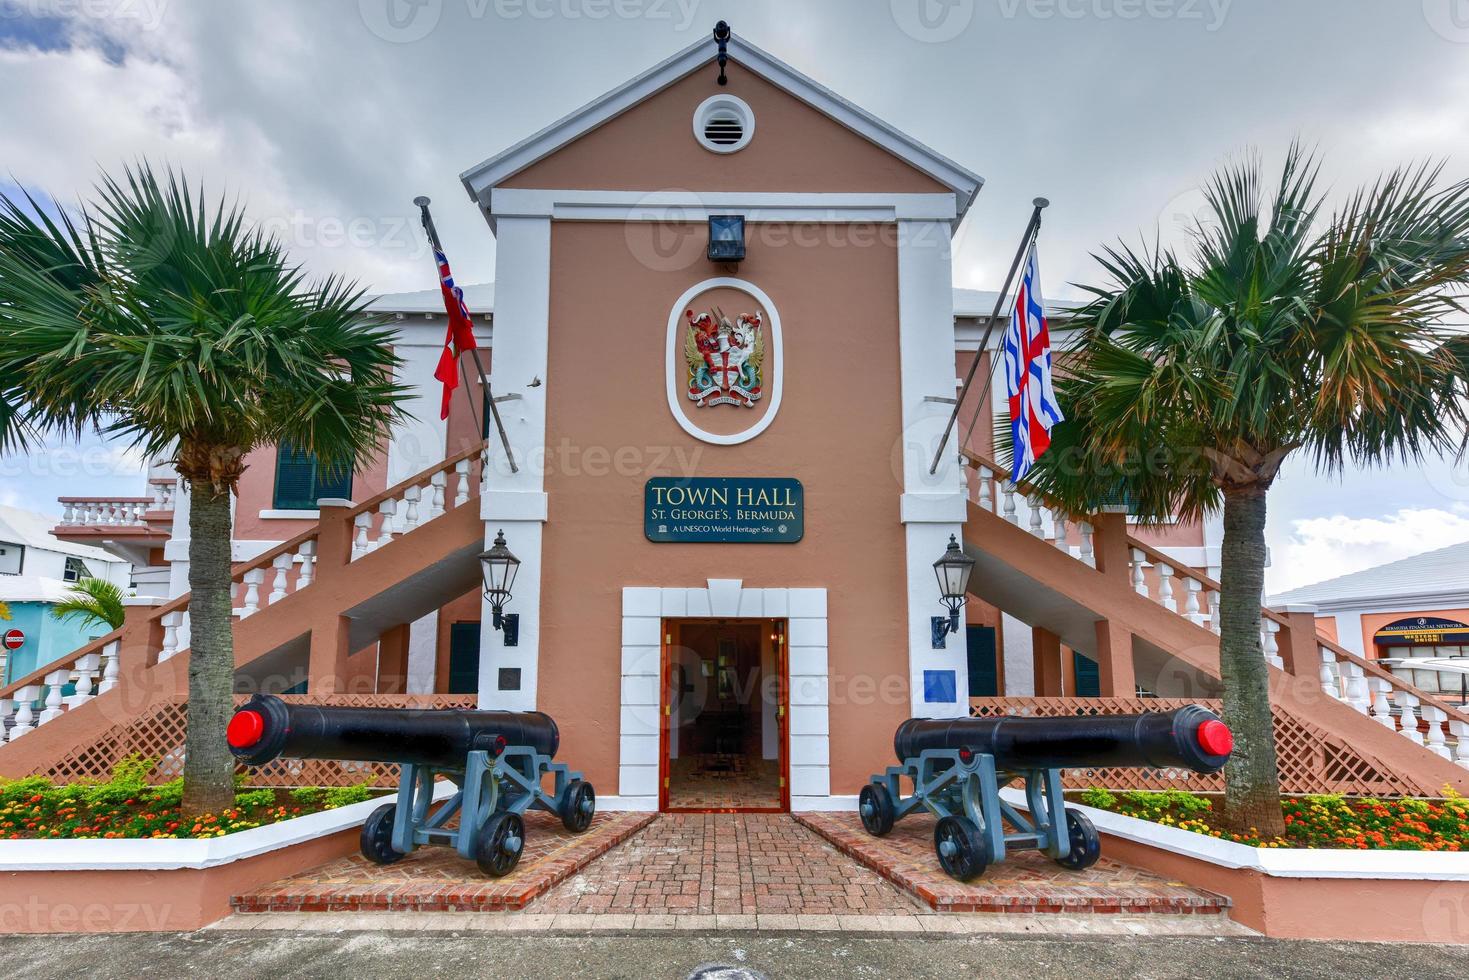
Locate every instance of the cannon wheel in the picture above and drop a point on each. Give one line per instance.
(501, 840)
(578, 806)
(377, 836)
(1086, 845)
(963, 851)
(875, 804)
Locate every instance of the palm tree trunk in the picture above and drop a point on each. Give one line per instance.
(1251, 780)
(208, 766)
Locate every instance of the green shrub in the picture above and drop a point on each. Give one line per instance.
(1099, 798)
(14, 791)
(170, 794)
(307, 796)
(347, 795)
(251, 798)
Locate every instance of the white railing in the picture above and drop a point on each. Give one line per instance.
(991, 490)
(42, 698)
(413, 503)
(163, 494)
(104, 511)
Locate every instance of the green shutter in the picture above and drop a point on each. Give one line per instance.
(300, 482)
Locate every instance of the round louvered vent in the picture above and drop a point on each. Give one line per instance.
(724, 124)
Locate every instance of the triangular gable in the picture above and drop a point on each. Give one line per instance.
(744, 57)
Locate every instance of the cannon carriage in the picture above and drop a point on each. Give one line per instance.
(499, 760)
(957, 768)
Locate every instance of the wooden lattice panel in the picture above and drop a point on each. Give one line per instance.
(1311, 759)
(158, 733)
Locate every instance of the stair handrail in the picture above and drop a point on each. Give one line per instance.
(1373, 669)
(417, 479)
(66, 661)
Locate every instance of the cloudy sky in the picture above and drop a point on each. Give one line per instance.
(328, 117)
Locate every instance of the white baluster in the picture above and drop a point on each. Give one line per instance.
(1381, 706)
(1165, 587)
(385, 525)
(1139, 579)
(170, 636)
(254, 578)
(54, 683)
(307, 551)
(1329, 680)
(1088, 551)
(436, 500)
(1008, 492)
(1033, 503)
(1191, 607)
(461, 475)
(1354, 681)
(184, 627)
(157, 492)
(1461, 745)
(362, 523)
(1269, 645)
(110, 670)
(68, 516)
(410, 507)
(25, 717)
(1408, 716)
(1436, 742)
(986, 491)
(282, 564)
(1213, 599)
(86, 669)
(1058, 528)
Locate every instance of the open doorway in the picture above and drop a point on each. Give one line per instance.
(724, 713)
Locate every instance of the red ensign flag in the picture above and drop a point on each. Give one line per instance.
(458, 338)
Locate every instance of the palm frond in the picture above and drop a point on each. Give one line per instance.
(93, 599)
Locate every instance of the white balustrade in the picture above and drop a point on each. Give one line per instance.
(253, 579)
(385, 511)
(86, 668)
(1008, 492)
(1329, 679)
(986, 489)
(68, 513)
(1213, 599)
(411, 497)
(1058, 529)
(1381, 710)
(25, 717)
(361, 524)
(1165, 587)
(1269, 646)
(1192, 608)
(1033, 505)
(282, 564)
(53, 709)
(1088, 549)
(307, 554)
(1435, 718)
(1460, 730)
(110, 667)
(1139, 578)
(461, 477)
(1354, 684)
(1408, 716)
(170, 635)
(436, 499)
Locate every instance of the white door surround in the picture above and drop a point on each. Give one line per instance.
(643, 612)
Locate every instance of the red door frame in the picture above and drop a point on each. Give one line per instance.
(782, 717)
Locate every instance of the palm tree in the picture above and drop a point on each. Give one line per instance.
(92, 599)
(174, 327)
(1192, 378)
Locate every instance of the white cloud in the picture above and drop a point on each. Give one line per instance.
(1321, 548)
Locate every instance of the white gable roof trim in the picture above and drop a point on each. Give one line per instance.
(480, 180)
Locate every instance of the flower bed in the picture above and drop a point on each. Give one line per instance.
(1332, 822)
(126, 807)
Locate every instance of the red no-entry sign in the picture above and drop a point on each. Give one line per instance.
(14, 639)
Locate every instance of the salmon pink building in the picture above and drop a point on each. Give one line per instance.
(724, 342)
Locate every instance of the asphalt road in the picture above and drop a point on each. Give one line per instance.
(362, 955)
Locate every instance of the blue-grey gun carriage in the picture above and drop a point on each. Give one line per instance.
(497, 759)
(957, 767)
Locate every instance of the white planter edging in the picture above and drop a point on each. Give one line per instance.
(168, 855)
(1278, 862)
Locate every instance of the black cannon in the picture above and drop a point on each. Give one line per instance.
(958, 765)
(497, 759)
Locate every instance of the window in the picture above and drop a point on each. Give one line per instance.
(76, 570)
(300, 481)
(12, 558)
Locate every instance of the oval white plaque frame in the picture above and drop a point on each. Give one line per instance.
(674, 367)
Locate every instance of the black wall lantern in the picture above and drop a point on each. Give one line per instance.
(498, 566)
(726, 237)
(953, 570)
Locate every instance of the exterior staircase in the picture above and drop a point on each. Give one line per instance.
(1343, 724)
(303, 609)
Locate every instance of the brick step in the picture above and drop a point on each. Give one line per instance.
(435, 879)
(1026, 882)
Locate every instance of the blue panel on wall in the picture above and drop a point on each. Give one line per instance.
(939, 686)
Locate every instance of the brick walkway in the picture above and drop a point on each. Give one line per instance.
(726, 864)
(436, 879)
(1027, 881)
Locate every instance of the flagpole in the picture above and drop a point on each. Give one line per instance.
(1032, 228)
(484, 380)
